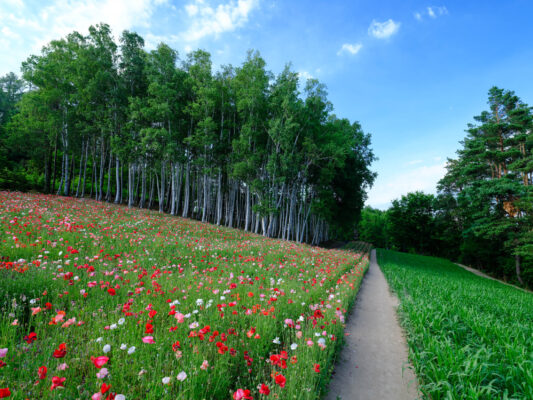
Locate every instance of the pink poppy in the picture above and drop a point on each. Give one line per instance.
(148, 339)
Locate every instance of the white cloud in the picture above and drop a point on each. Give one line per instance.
(15, 3)
(393, 186)
(8, 33)
(304, 76)
(192, 9)
(151, 41)
(56, 18)
(212, 21)
(350, 48)
(383, 30)
(435, 12)
(431, 12)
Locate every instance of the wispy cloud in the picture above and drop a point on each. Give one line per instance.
(350, 48)
(305, 75)
(432, 12)
(206, 20)
(383, 30)
(57, 18)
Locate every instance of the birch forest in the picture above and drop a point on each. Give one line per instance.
(239, 146)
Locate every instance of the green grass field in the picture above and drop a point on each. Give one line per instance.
(469, 337)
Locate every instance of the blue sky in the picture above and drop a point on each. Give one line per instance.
(413, 73)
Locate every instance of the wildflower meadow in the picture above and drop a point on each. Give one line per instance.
(104, 302)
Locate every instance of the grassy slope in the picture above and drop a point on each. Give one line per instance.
(71, 253)
(469, 337)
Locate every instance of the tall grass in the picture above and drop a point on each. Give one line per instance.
(469, 337)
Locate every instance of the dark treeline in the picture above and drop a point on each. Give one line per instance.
(483, 212)
(238, 147)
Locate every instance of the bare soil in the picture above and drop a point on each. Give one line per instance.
(373, 365)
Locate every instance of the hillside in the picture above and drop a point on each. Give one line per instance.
(99, 298)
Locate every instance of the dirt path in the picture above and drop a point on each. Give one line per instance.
(482, 274)
(373, 363)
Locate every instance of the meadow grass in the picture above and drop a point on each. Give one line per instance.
(469, 337)
(176, 309)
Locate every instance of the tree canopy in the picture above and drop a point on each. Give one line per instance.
(240, 146)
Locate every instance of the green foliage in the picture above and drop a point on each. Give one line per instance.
(373, 228)
(492, 180)
(469, 337)
(411, 223)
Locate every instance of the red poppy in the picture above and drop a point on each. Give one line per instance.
(61, 351)
(2, 364)
(264, 389)
(5, 392)
(280, 380)
(30, 338)
(57, 382)
(99, 362)
(42, 372)
(111, 291)
(105, 387)
(149, 328)
(316, 367)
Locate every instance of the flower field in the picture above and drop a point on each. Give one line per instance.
(103, 302)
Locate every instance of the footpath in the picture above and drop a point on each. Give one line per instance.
(373, 364)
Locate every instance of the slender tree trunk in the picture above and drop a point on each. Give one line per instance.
(247, 216)
(92, 174)
(186, 200)
(54, 169)
(118, 193)
(108, 191)
(179, 173)
(121, 199)
(518, 267)
(102, 165)
(71, 174)
(162, 192)
(66, 190)
(85, 168)
(219, 199)
(80, 170)
(131, 184)
(204, 199)
(143, 185)
(62, 174)
(151, 199)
